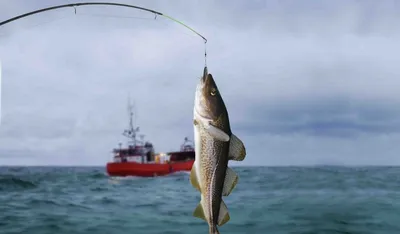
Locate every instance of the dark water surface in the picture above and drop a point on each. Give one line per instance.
(276, 200)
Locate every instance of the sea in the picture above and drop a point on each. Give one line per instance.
(276, 200)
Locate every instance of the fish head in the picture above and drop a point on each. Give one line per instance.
(208, 101)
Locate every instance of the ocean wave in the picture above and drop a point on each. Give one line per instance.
(98, 175)
(10, 182)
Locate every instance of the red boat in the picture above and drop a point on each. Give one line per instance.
(139, 159)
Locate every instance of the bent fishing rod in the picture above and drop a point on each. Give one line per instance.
(75, 5)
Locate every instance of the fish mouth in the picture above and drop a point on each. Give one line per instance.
(201, 85)
(199, 107)
(203, 79)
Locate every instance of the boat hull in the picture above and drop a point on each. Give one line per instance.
(147, 170)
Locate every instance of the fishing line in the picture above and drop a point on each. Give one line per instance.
(205, 54)
(75, 5)
(191, 35)
(37, 25)
(113, 16)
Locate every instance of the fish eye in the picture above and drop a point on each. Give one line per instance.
(213, 92)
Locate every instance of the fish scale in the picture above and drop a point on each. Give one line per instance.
(209, 163)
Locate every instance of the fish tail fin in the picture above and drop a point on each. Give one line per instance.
(213, 230)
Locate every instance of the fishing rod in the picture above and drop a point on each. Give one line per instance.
(75, 5)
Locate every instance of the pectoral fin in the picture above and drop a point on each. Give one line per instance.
(223, 214)
(217, 133)
(193, 178)
(231, 179)
(199, 212)
(237, 151)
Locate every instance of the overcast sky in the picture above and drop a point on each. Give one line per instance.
(305, 82)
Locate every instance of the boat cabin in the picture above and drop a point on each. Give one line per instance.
(186, 153)
(182, 156)
(140, 154)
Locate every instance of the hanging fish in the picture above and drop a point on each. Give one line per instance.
(215, 145)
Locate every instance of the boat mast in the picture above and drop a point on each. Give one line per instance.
(131, 132)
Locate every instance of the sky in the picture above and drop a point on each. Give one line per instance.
(305, 83)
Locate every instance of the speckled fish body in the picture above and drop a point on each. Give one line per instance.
(215, 145)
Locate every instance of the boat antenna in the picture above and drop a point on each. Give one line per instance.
(142, 137)
(186, 140)
(134, 109)
(131, 131)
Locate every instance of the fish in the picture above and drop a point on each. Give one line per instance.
(215, 145)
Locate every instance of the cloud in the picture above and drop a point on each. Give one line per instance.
(323, 117)
(306, 83)
(300, 149)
